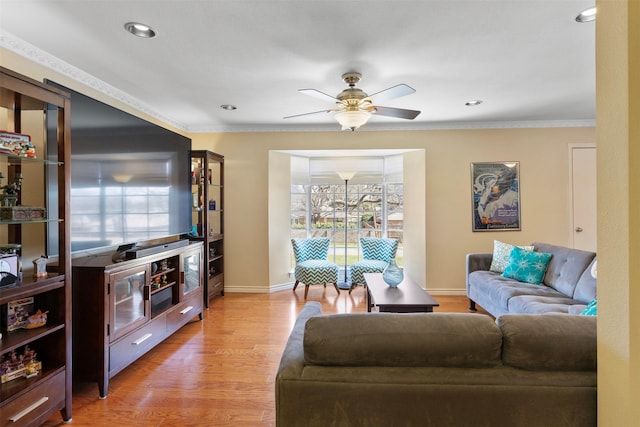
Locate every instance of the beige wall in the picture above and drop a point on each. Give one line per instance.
(414, 214)
(618, 157)
(279, 224)
(543, 157)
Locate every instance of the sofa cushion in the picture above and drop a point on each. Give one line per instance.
(527, 266)
(576, 308)
(501, 252)
(389, 339)
(551, 342)
(565, 268)
(539, 304)
(487, 286)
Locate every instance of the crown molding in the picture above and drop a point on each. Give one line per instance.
(37, 55)
(417, 126)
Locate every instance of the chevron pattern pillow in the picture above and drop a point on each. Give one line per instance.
(311, 248)
(378, 248)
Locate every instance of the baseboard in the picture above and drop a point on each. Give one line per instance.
(281, 287)
(246, 290)
(452, 292)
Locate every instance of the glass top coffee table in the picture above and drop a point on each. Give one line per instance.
(408, 297)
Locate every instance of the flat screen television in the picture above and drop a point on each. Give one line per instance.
(130, 178)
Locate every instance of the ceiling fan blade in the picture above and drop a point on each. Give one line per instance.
(308, 114)
(317, 94)
(395, 112)
(393, 92)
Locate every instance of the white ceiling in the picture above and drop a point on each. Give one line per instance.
(528, 60)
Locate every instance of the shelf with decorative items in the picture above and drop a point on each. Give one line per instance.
(207, 179)
(35, 284)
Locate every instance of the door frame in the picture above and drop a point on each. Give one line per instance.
(571, 147)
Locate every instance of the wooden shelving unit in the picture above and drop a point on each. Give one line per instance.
(24, 105)
(207, 186)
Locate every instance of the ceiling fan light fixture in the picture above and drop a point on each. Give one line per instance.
(352, 119)
(140, 30)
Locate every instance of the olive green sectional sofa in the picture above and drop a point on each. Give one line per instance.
(437, 369)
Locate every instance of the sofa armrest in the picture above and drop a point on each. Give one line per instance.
(292, 360)
(478, 261)
(475, 262)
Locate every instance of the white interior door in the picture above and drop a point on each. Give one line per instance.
(583, 197)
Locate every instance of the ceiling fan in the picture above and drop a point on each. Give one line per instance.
(354, 107)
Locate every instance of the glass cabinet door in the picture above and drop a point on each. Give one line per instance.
(191, 271)
(129, 301)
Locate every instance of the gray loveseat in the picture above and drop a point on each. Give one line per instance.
(438, 369)
(567, 287)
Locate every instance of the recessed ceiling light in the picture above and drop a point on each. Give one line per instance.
(587, 15)
(140, 30)
(473, 103)
(228, 107)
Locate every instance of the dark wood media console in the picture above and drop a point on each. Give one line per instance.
(121, 310)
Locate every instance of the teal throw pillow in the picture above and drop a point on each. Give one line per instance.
(591, 309)
(527, 266)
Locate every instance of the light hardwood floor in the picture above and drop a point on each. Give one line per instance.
(215, 372)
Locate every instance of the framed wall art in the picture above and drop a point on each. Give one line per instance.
(495, 196)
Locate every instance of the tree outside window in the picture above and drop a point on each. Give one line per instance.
(370, 210)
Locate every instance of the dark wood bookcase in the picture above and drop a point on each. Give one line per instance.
(34, 221)
(207, 186)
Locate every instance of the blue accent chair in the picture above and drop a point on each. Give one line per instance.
(312, 267)
(376, 255)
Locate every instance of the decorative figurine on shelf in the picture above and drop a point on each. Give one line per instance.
(19, 365)
(36, 320)
(40, 267)
(17, 144)
(10, 191)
